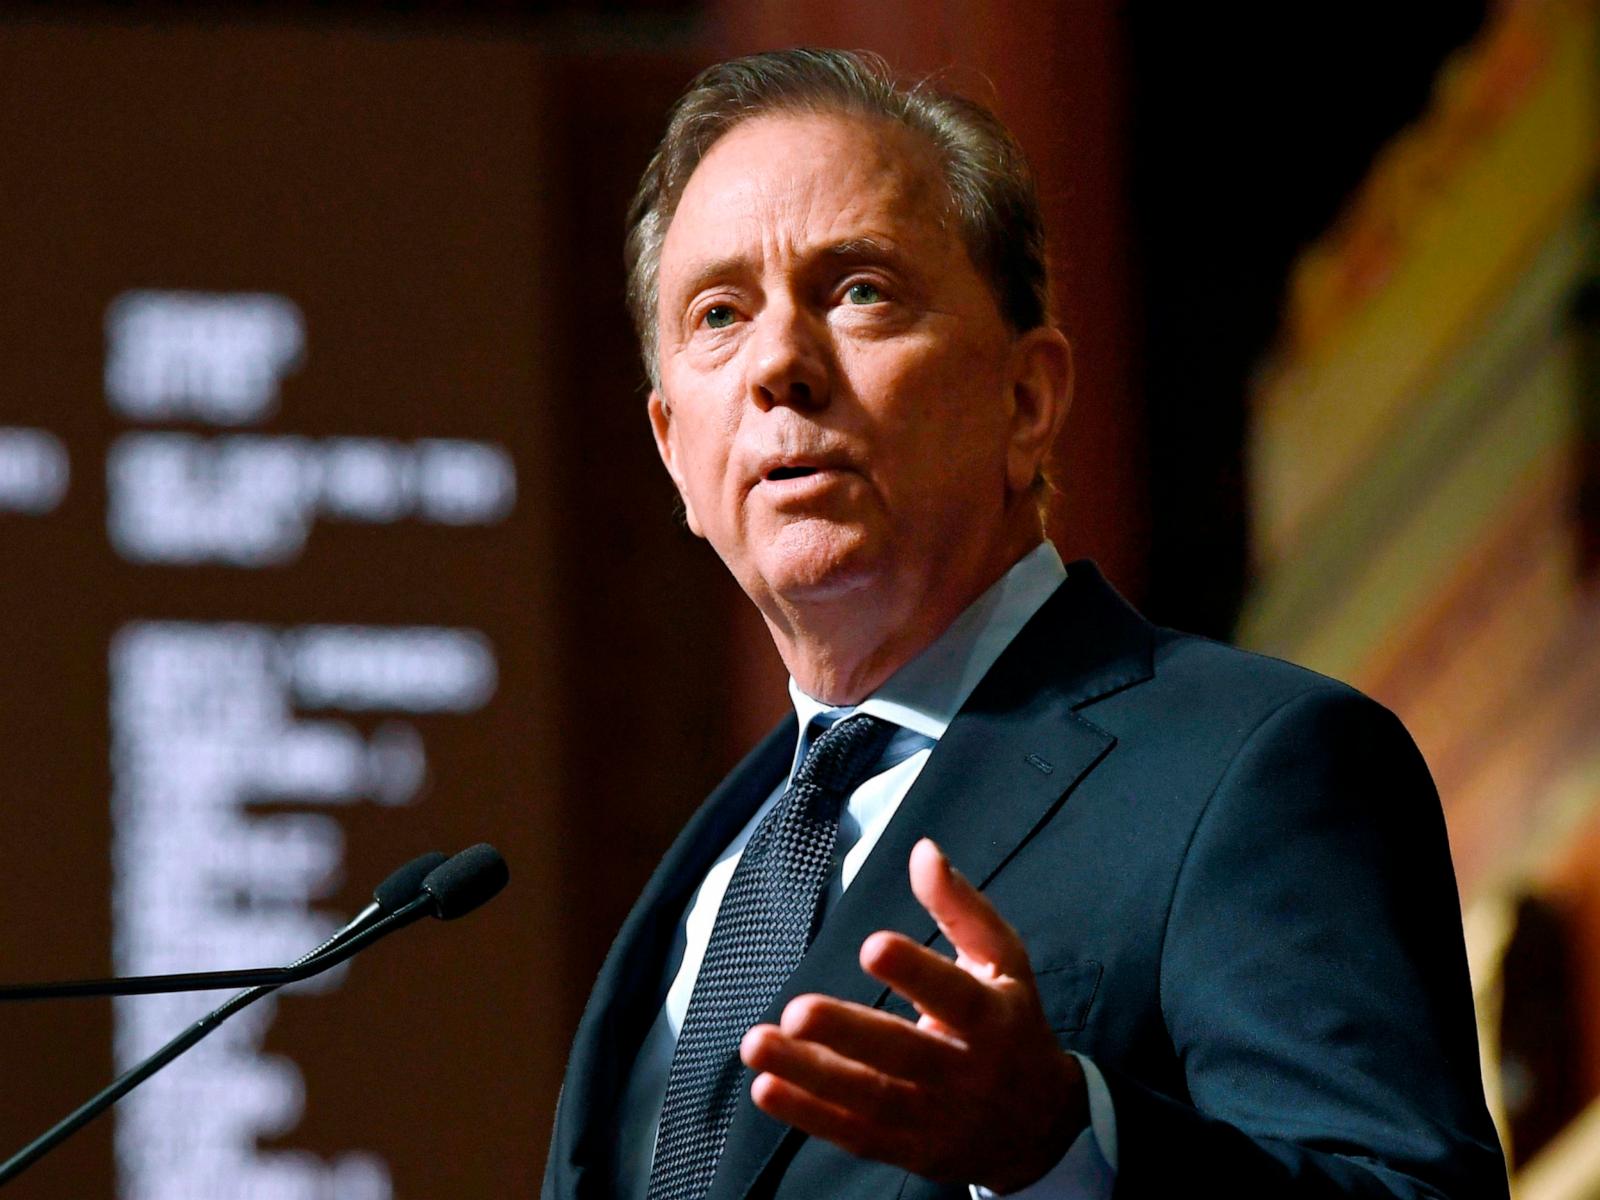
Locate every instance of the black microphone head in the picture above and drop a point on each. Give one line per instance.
(405, 885)
(475, 875)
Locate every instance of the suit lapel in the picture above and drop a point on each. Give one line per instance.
(629, 989)
(1006, 763)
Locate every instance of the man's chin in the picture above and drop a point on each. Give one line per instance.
(816, 571)
(815, 589)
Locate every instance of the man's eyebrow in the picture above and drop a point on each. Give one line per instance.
(863, 247)
(702, 271)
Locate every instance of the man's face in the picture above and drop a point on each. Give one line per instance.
(837, 400)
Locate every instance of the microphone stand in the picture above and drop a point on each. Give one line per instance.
(335, 950)
(194, 981)
(400, 887)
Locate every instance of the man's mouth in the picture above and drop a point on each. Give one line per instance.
(798, 474)
(778, 473)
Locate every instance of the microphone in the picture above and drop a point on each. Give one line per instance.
(446, 890)
(398, 890)
(401, 887)
(471, 878)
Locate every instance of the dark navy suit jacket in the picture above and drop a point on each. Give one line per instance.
(1234, 884)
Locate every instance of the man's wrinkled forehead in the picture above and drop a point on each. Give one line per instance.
(814, 183)
(895, 141)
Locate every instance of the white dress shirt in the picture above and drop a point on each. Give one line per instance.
(921, 699)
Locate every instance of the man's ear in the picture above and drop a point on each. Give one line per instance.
(1041, 393)
(661, 426)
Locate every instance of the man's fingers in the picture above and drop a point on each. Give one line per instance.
(937, 986)
(829, 1076)
(793, 1105)
(974, 927)
(879, 1039)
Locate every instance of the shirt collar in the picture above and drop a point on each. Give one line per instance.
(926, 693)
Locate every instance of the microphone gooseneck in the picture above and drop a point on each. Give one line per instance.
(401, 887)
(427, 886)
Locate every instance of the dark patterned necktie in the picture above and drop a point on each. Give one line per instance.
(764, 926)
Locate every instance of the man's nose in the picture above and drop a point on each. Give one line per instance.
(789, 358)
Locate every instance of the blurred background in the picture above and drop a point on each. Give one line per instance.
(333, 531)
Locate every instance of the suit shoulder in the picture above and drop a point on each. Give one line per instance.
(1133, 663)
(1210, 700)
(1200, 668)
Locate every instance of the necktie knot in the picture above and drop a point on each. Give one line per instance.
(844, 753)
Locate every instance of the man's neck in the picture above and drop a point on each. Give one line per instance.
(843, 650)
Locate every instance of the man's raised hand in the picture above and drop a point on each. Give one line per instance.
(977, 1091)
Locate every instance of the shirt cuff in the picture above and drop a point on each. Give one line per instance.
(1088, 1170)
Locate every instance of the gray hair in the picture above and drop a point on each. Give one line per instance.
(991, 187)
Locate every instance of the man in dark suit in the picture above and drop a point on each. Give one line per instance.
(1230, 949)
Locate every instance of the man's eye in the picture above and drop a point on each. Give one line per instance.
(863, 293)
(719, 316)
